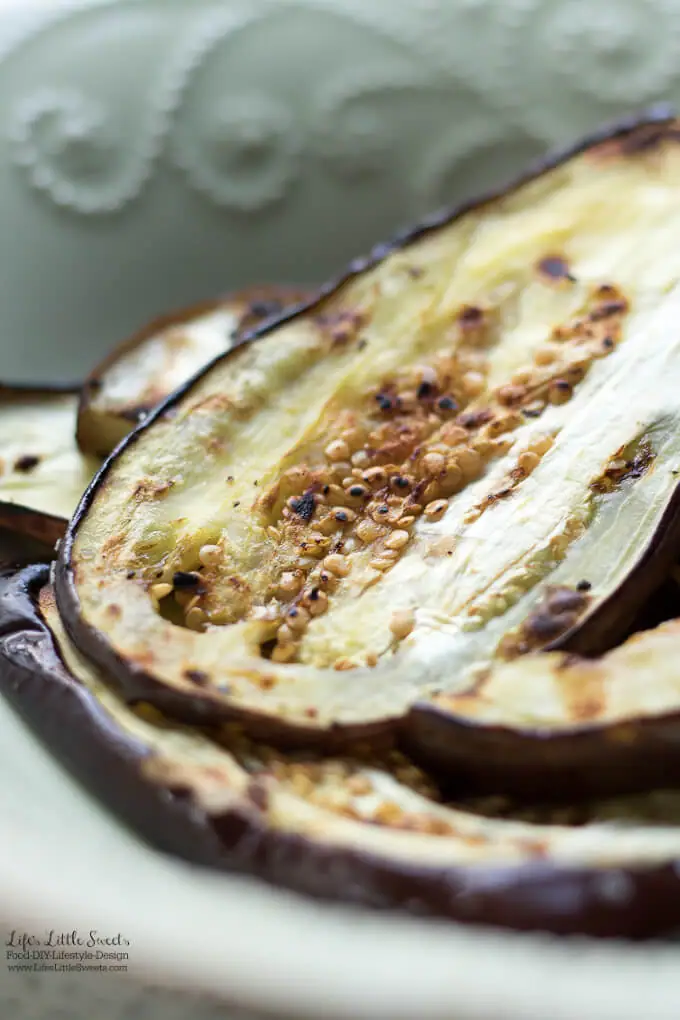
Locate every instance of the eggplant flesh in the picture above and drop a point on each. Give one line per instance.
(367, 829)
(141, 372)
(53, 438)
(43, 474)
(463, 453)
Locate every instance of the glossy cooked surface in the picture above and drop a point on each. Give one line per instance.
(41, 467)
(382, 808)
(458, 457)
(144, 370)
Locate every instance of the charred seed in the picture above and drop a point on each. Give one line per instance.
(183, 580)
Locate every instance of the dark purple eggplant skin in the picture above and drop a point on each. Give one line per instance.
(638, 903)
(25, 521)
(624, 138)
(568, 766)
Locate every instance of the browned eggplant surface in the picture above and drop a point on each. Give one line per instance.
(380, 513)
(379, 604)
(367, 828)
(140, 373)
(43, 474)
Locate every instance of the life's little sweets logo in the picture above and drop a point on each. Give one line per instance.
(74, 950)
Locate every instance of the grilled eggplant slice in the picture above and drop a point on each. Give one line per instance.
(369, 830)
(463, 453)
(43, 474)
(143, 371)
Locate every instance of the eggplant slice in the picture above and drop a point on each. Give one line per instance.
(43, 474)
(141, 372)
(461, 455)
(368, 830)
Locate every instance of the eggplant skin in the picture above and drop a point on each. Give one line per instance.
(570, 766)
(534, 897)
(104, 420)
(43, 527)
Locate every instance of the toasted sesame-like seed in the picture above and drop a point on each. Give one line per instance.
(194, 618)
(398, 540)
(451, 480)
(327, 525)
(360, 459)
(472, 383)
(544, 356)
(453, 435)
(337, 450)
(388, 813)
(328, 580)
(484, 447)
(160, 591)
(210, 555)
(318, 602)
(435, 510)
(315, 537)
(367, 531)
(542, 444)
(302, 784)
(297, 618)
(511, 394)
(341, 469)
(341, 664)
(284, 634)
(528, 461)
(469, 462)
(434, 463)
(431, 491)
(371, 661)
(380, 512)
(424, 374)
(381, 563)
(407, 400)
(402, 623)
(406, 522)
(343, 514)
(374, 476)
(359, 785)
(290, 583)
(352, 436)
(284, 653)
(559, 391)
(337, 564)
(192, 603)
